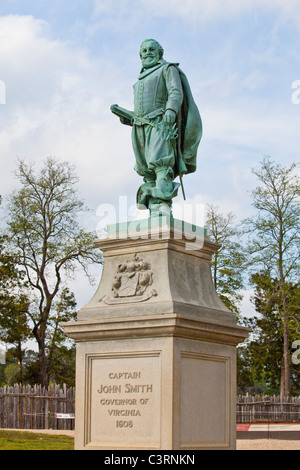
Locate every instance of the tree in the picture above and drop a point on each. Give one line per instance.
(14, 327)
(31, 367)
(266, 347)
(274, 243)
(61, 357)
(228, 262)
(260, 362)
(11, 373)
(14, 303)
(47, 238)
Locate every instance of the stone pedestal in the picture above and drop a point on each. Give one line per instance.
(156, 347)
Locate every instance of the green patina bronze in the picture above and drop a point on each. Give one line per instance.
(166, 129)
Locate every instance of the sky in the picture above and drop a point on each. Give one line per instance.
(63, 63)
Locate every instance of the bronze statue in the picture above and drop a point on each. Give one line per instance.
(166, 129)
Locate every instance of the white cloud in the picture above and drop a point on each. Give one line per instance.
(206, 10)
(253, 124)
(58, 101)
(194, 11)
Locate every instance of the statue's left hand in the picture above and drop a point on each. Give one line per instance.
(169, 117)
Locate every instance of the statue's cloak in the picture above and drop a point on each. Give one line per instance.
(189, 124)
(189, 130)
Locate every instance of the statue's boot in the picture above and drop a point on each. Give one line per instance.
(165, 188)
(158, 207)
(144, 194)
(157, 194)
(163, 192)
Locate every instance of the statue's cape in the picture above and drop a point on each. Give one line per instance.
(189, 124)
(189, 129)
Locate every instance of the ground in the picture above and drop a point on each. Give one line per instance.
(242, 444)
(267, 444)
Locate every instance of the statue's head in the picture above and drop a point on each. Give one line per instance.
(150, 52)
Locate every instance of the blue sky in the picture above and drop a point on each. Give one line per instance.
(64, 63)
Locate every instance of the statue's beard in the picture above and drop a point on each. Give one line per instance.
(149, 61)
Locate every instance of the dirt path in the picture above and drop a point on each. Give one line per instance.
(267, 444)
(242, 444)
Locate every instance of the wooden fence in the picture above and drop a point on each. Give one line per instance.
(253, 409)
(26, 407)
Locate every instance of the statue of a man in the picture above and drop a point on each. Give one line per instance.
(166, 129)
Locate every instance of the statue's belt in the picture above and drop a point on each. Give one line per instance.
(170, 132)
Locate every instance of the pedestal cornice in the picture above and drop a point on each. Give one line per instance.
(147, 326)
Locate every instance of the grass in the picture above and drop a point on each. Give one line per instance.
(22, 440)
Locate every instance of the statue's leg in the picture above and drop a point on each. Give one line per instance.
(144, 193)
(155, 159)
(164, 181)
(139, 147)
(159, 152)
(160, 158)
(163, 192)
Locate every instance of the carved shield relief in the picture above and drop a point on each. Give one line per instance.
(131, 282)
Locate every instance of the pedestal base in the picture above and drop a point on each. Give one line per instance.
(156, 351)
(164, 383)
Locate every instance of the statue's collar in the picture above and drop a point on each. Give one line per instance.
(144, 72)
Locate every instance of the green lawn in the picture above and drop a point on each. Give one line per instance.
(20, 440)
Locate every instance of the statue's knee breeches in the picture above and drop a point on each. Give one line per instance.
(151, 149)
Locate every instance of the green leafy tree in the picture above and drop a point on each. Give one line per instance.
(61, 351)
(47, 239)
(229, 261)
(11, 373)
(274, 242)
(260, 362)
(31, 367)
(14, 326)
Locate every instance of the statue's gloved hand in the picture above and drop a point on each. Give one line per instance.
(169, 117)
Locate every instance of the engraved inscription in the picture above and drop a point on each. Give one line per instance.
(125, 375)
(125, 407)
(124, 401)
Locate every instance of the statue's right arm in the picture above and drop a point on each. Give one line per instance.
(126, 121)
(126, 117)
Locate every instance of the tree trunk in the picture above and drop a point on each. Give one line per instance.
(20, 361)
(286, 359)
(285, 373)
(282, 375)
(39, 332)
(285, 386)
(43, 364)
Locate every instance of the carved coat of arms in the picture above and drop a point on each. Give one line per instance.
(131, 282)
